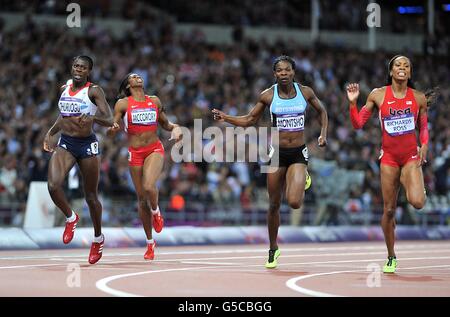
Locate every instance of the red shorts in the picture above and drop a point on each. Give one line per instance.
(137, 156)
(398, 159)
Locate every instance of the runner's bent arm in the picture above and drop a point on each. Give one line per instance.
(252, 117)
(104, 115)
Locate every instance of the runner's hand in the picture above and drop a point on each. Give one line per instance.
(353, 92)
(423, 154)
(48, 144)
(177, 135)
(218, 115)
(322, 141)
(113, 129)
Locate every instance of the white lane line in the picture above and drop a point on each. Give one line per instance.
(210, 263)
(27, 266)
(346, 254)
(423, 267)
(102, 284)
(245, 251)
(292, 283)
(245, 258)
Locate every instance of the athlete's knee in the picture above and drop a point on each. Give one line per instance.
(54, 186)
(142, 202)
(274, 206)
(91, 198)
(150, 188)
(389, 211)
(294, 204)
(417, 202)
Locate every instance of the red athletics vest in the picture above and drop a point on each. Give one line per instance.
(398, 118)
(141, 116)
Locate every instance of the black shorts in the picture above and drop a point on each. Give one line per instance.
(293, 155)
(80, 148)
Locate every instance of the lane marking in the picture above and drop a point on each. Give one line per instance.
(102, 284)
(292, 283)
(211, 263)
(30, 265)
(83, 258)
(227, 251)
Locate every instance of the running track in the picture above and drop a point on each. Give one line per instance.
(308, 269)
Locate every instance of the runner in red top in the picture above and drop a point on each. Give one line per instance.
(141, 115)
(401, 109)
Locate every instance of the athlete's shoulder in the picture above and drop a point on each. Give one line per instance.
(64, 86)
(306, 90)
(379, 90)
(93, 86)
(122, 103)
(154, 98)
(420, 96)
(122, 100)
(418, 93)
(377, 94)
(267, 94)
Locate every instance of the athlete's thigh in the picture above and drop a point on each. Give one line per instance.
(137, 175)
(59, 166)
(275, 184)
(295, 179)
(153, 166)
(412, 180)
(390, 183)
(90, 170)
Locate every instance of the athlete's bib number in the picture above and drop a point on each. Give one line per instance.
(291, 122)
(94, 148)
(305, 153)
(143, 116)
(398, 125)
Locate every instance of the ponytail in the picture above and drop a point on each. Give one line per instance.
(123, 90)
(431, 95)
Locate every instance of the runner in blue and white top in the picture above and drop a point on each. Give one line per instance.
(288, 114)
(287, 101)
(80, 105)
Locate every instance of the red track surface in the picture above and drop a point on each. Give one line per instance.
(325, 269)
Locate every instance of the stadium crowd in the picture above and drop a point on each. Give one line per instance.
(191, 77)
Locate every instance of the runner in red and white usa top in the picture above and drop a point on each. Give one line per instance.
(141, 116)
(401, 109)
(398, 118)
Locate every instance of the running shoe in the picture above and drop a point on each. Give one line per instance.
(272, 261)
(308, 181)
(390, 265)
(70, 229)
(150, 253)
(158, 222)
(96, 251)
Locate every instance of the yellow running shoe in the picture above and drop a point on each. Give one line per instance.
(390, 265)
(272, 261)
(308, 181)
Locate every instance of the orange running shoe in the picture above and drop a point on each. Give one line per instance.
(150, 253)
(158, 222)
(70, 229)
(96, 251)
